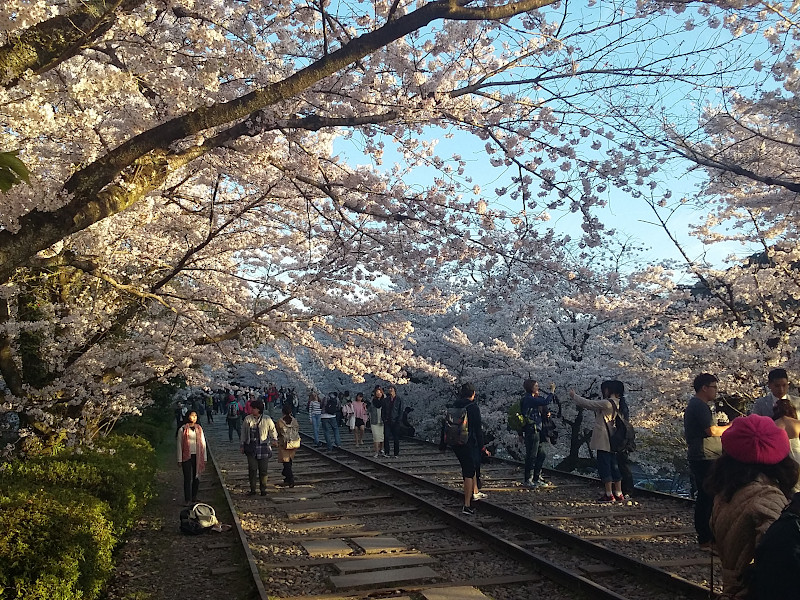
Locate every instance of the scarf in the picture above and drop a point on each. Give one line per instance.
(201, 449)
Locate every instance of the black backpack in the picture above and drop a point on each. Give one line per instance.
(331, 406)
(456, 426)
(621, 434)
(233, 410)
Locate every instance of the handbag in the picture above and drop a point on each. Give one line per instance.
(293, 444)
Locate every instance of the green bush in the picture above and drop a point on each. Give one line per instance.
(55, 545)
(119, 470)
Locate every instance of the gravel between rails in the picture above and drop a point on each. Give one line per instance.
(287, 571)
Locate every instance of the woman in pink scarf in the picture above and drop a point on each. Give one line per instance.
(192, 456)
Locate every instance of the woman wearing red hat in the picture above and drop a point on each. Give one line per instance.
(751, 482)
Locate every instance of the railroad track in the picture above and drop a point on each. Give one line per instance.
(358, 527)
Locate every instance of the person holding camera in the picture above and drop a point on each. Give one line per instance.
(703, 437)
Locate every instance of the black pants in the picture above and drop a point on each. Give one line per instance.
(391, 431)
(191, 483)
(234, 425)
(288, 475)
(257, 468)
(704, 501)
(534, 453)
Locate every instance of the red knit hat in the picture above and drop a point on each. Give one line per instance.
(755, 440)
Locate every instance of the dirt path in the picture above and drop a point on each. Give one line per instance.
(158, 562)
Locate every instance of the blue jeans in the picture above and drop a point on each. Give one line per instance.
(331, 424)
(315, 425)
(607, 466)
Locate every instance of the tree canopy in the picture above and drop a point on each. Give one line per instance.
(188, 204)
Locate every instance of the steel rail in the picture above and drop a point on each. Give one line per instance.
(552, 571)
(663, 578)
(251, 560)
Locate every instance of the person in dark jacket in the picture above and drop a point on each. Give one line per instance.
(778, 556)
(533, 403)
(469, 454)
(392, 419)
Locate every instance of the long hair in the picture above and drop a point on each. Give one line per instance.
(614, 387)
(784, 408)
(287, 413)
(728, 475)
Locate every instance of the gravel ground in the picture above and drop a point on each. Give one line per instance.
(158, 562)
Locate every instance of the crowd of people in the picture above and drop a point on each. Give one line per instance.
(746, 473)
(384, 413)
(747, 477)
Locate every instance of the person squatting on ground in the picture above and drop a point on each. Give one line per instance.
(258, 434)
(778, 385)
(375, 408)
(392, 419)
(751, 484)
(704, 447)
(192, 455)
(360, 418)
(315, 415)
(468, 454)
(605, 411)
(330, 422)
(531, 407)
(288, 442)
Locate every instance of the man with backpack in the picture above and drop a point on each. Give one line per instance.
(531, 408)
(330, 425)
(461, 431)
(233, 419)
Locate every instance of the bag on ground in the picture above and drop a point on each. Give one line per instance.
(197, 519)
(456, 426)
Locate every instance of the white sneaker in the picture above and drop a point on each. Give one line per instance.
(479, 496)
(376, 455)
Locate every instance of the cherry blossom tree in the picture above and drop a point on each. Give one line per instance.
(189, 206)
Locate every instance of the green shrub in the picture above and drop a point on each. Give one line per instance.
(54, 545)
(119, 470)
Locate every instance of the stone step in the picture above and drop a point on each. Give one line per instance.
(383, 578)
(454, 593)
(390, 561)
(325, 547)
(378, 544)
